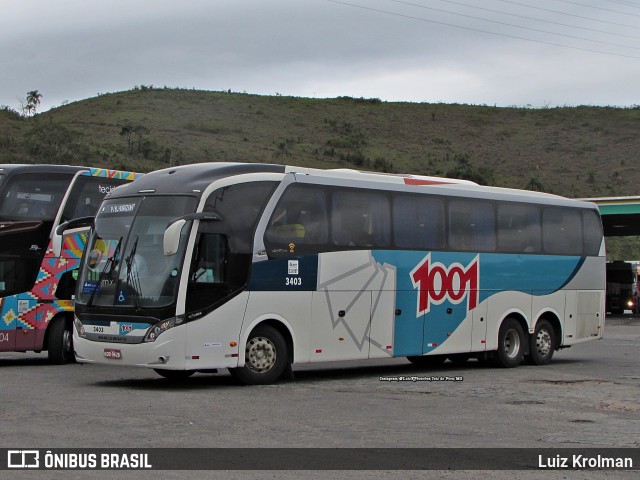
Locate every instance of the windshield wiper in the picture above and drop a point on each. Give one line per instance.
(110, 264)
(133, 279)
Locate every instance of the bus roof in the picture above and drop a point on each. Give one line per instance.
(39, 168)
(195, 178)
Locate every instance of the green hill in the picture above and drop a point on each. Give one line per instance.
(573, 151)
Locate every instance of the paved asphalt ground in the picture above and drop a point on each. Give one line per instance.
(589, 396)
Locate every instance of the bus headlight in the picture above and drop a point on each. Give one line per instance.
(160, 327)
(79, 327)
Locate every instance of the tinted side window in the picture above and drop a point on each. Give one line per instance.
(562, 231)
(471, 225)
(418, 222)
(592, 226)
(519, 228)
(34, 196)
(87, 195)
(239, 206)
(299, 219)
(360, 219)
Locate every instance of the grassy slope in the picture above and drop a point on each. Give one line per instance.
(577, 151)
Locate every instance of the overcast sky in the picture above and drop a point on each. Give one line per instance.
(494, 52)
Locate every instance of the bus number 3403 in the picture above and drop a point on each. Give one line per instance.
(293, 281)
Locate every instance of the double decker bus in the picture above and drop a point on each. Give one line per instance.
(257, 267)
(37, 286)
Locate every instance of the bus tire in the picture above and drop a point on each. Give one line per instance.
(427, 360)
(60, 342)
(266, 357)
(542, 343)
(510, 344)
(174, 374)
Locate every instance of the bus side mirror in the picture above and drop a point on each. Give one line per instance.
(76, 225)
(171, 239)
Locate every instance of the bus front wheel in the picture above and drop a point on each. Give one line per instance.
(265, 359)
(60, 342)
(510, 344)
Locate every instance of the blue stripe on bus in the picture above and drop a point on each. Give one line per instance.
(531, 274)
(418, 332)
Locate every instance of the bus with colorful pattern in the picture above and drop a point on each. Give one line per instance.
(37, 287)
(255, 267)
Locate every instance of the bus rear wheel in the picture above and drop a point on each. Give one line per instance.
(60, 342)
(510, 344)
(542, 343)
(266, 357)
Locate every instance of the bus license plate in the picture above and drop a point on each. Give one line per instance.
(113, 353)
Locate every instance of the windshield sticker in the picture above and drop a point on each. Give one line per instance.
(40, 197)
(122, 296)
(90, 286)
(118, 209)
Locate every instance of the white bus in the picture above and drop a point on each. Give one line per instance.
(255, 267)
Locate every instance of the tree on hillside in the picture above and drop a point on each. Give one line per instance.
(33, 100)
(140, 131)
(127, 131)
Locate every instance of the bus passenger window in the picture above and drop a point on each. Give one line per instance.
(592, 227)
(562, 231)
(360, 219)
(471, 226)
(418, 222)
(300, 218)
(519, 229)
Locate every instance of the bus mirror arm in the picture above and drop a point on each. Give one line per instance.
(56, 241)
(171, 239)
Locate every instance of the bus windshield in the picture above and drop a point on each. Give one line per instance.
(30, 196)
(125, 264)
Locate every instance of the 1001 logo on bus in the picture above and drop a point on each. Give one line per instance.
(437, 283)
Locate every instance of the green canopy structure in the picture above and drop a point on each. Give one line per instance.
(620, 215)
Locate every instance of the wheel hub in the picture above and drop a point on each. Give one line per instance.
(543, 342)
(260, 355)
(512, 343)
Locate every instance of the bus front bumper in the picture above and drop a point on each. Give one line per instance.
(167, 352)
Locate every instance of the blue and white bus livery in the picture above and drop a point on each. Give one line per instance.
(256, 267)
